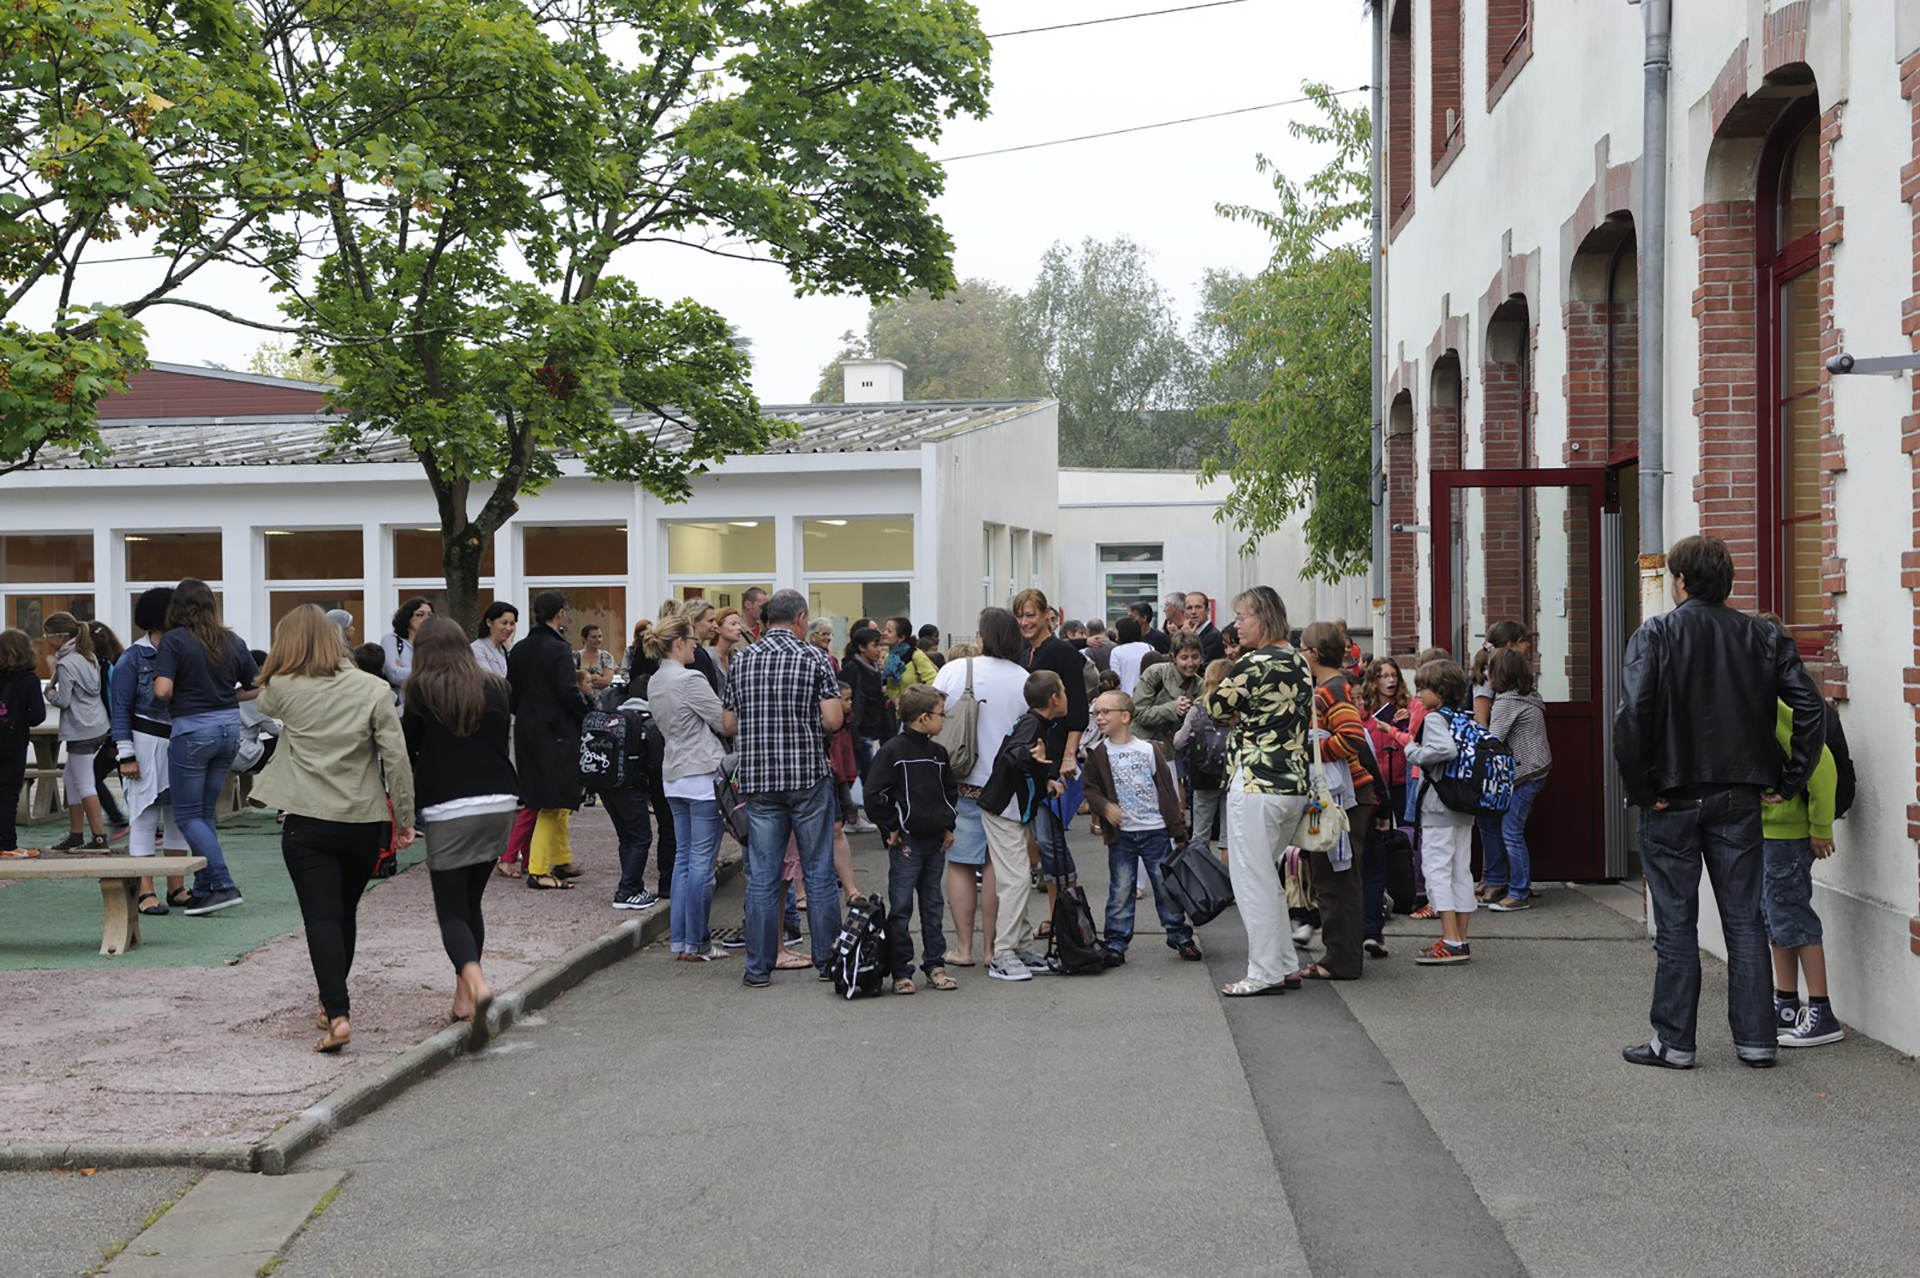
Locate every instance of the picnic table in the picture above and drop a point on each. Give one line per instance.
(41, 799)
(118, 878)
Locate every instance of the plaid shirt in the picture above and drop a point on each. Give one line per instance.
(776, 686)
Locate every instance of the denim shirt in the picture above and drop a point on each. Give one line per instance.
(135, 708)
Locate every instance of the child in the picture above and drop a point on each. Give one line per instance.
(1130, 783)
(912, 793)
(1520, 720)
(629, 807)
(841, 759)
(1203, 740)
(372, 658)
(1446, 836)
(1794, 834)
(22, 709)
(1022, 778)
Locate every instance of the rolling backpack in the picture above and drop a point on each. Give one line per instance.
(603, 752)
(1074, 948)
(859, 963)
(1479, 779)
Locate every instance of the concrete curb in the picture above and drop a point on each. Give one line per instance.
(347, 1105)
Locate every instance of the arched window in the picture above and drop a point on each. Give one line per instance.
(1788, 241)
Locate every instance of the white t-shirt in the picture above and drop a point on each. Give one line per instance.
(1000, 688)
(1133, 766)
(1126, 663)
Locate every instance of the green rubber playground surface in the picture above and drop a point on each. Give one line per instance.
(55, 924)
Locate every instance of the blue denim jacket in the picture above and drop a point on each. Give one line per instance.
(135, 708)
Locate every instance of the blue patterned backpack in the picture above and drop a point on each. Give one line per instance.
(1478, 780)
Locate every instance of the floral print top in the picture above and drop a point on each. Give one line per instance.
(1268, 689)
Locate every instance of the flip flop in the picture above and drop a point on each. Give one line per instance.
(791, 962)
(477, 1029)
(957, 963)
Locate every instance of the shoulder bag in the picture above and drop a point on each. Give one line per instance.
(1321, 825)
(960, 733)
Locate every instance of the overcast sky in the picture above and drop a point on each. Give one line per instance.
(1158, 187)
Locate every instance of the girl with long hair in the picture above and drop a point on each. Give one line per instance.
(107, 650)
(77, 691)
(141, 726)
(457, 723)
(339, 807)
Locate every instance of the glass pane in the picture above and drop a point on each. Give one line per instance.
(585, 550)
(1123, 589)
(857, 545)
(1526, 555)
(720, 548)
(1800, 186)
(604, 606)
(1800, 458)
(314, 554)
(416, 554)
(723, 594)
(1799, 335)
(1129, 554)
(843, 602)
(1805, 601)
(30, 613)
(167, 557)
(282, 602)
(46, 557)
(133, 597)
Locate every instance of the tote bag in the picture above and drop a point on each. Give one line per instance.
(1321, 825)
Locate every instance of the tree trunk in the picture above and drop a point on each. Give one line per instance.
(460, 555)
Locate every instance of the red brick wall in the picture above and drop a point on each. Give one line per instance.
(1724, 399)
(1509, 43)
(1910, 434)
(1507, 401)
(1589, 440)
(1448, 83)
(1400, 143)
(1403, 548)
(1824, 650)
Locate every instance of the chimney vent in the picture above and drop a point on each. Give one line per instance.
(875, 381)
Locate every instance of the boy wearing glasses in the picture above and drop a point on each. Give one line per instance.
(1131, 786)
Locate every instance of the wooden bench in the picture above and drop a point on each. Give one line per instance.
(118, 877)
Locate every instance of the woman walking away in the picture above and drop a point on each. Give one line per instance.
(326, 777)
(549, 700)
(457, 724)
(22, 709)
(202, 672)
(397, 648)
(107, 651)
(1520, 720)
(497, 625)
(76, 692)
(140, 729)
(1265, 696)
(687, 714)
(1345, 756)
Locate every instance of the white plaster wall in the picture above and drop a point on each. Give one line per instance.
(1007, 474)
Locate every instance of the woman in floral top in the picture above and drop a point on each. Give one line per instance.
(1265, 697)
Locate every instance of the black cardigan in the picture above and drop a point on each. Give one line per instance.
(448, 767)
(1061, 657)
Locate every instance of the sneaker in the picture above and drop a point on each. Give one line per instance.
(1817, 1026)
(1115, 958)
(73, 842)
(1444, 952)
(791, 936)
(1374, 949)
(1510, 905)
(1035, 963)
(1786, 1015)
(860, 825)
(223, 899)
(1008, 969)
(641, 900)
(711, 954)
(732, 938)
(1302, 933)
(1189, 951)
(18, 854)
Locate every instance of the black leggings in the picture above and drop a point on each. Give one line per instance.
(11, 783)
(106, 764)
(456, 902)
(330, 863)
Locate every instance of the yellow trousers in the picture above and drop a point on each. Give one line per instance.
(550, 845)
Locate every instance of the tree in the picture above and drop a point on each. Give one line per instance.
(1097, 333)
(488, 164)
(125, 127)
(278, 359)
(954, 347)
(1301, 331)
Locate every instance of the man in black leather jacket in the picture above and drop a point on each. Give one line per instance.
(1694, 740)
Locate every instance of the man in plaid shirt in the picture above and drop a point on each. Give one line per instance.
(787, 699)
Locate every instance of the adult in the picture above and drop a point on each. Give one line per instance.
(1173, 615)
(999, 680)
(497, 625)
(820, 635)
(1344, 753)
(1045, 650)
(343, 619)
(457, 724)
(905, 664)
(140, 729)
(26, 710)
(930, 644)
(752, 609)
(335, 777)
(689, 721)
(548, 700)
(1199, 614)
(1694, 741)
(77, 693)
(786, 700)
(396, 646)
(202, 671)
(1142, 613)
(729, 637)
(705, 624)
(593, 659)
(1166, 691)
(1099, 647)
(1265, 696)
(1129, 652)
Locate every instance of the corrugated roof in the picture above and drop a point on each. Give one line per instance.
(302, 440)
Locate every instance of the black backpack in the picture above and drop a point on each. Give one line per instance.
(640, 744)
(603, 752)
(859, 962)
(1844, 781)
(1074, 948)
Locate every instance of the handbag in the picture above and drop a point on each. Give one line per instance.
(733, 804)
(1197, 882)
(1323, 822)
(960, 733)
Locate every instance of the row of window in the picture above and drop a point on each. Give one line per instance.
(1509, 43)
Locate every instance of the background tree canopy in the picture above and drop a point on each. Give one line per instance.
(954, 347)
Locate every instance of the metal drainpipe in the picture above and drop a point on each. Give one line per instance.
(1376, 480)
(1652, 235)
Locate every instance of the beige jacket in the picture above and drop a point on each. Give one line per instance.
(327, 765)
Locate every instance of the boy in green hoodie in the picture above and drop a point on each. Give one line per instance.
(1796, 831)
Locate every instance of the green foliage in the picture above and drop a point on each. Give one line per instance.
(1300, 337)
(122, 121)
(954, 347)
(279, 359)
(1098, 333)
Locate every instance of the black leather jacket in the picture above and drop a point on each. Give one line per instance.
(1698, 700)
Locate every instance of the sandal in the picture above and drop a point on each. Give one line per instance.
(1424, 912)
(509, 869)
(938, 979)
(154, 911)
(567, 871)
(791, 962)
(903, 986)
(1044, 931)
(1251, 989)
(546, 883)
(1316, 972)
(182, 898)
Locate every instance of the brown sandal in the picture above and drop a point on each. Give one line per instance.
(1424, 912)
(938, 979)
(547, 883)
(509, 869)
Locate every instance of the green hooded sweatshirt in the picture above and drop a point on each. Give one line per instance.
(1808, 815)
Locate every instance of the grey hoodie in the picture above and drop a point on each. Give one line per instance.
(76, 692)
(1520, 720)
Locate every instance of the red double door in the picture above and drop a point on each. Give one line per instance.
(1540, 547)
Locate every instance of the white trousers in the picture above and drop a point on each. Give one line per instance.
(145, 838)
(1258, 829)
(1446, 858)
(1012, 881)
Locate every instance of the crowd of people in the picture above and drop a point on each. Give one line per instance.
(971, 764)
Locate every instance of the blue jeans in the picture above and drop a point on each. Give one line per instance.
(197, 764)
(1506, 862)
(773, 816)
(916, 868)
(1124, 854)
(1722, 832)
(696, 836)
(628, 808)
